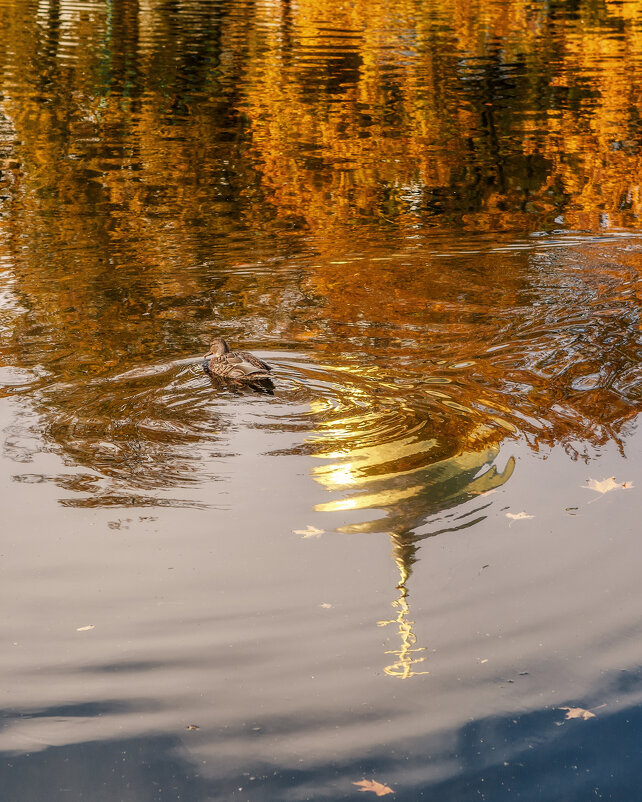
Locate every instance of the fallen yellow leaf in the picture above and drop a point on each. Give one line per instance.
(577, 712)
(606, 484)
(311, 531)
(520, 516)
(84, 629)
(325, 605)
(375, 787)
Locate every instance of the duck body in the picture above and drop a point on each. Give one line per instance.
(236, 366)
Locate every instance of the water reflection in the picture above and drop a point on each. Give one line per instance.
(409, 496)
(427, 219)
(404, 391)
(177, 123)
(490, 754)
(383, 463)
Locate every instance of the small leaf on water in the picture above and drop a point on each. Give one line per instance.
(520, 516)
(311, 531)
(577, 712)
(84, 629)
(485, 660)
(375, 787)
(325, 605)
(606, 485)
(193, 727)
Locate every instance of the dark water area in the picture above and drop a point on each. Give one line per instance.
(415, 563)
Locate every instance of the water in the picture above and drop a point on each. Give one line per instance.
(394, 569)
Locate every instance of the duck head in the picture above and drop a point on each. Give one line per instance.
(218, 347)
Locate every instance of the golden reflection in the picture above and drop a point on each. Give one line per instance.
(474, 116)
(374, 478)
(393, 469)
(408, 653)
(169, 169)
(538, 101)
(433, 488)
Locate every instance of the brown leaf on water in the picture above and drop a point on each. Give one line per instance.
(375, 787)
(577, 712)
(193, 727)
(520, 516)
(606, 485)
(311, 531)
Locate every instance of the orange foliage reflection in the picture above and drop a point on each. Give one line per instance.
(380, 185)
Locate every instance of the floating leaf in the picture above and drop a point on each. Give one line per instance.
(577, 712)
(84, 629)
(520, 516)
(311, 531)
(606, 485)
(375, 787)
(193, 727)
(325, 605)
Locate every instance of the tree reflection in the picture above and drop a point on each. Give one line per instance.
(371, 181)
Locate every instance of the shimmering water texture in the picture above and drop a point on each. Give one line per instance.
(425, 218)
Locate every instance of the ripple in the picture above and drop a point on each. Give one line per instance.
(377, 440)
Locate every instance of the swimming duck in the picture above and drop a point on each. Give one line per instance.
(237, 366)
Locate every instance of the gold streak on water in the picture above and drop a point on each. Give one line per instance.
(407, 654)
(387, 479)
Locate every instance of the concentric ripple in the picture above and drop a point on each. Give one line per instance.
(162, 433)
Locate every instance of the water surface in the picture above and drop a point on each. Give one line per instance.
(426, 219)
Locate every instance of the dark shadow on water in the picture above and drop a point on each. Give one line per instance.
(537, 756)
(260, 386)
(136, 770)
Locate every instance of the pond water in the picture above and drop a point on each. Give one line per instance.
(414, 568)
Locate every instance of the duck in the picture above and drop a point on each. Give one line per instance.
(240, 367)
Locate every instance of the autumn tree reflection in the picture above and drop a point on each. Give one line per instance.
(407, 193)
